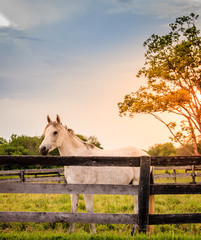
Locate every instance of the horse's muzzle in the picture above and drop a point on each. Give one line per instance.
(43, 150)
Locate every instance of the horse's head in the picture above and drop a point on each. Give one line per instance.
(53, 136)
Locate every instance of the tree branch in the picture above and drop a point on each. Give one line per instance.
(176, 138)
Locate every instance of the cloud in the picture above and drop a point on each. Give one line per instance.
(25, 14)
(157, 8)
(4, 22)
(38, 48)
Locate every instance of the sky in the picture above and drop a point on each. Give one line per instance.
(78, 59)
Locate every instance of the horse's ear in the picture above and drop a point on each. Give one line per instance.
(48, 119)
(58, 119)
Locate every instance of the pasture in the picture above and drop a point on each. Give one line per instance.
(104, 204)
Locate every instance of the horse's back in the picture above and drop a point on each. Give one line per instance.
(124, 152)
(106, 175)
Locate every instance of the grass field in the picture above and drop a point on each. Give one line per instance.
(102, 204)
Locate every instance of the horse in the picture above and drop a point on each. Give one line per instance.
(56, 135)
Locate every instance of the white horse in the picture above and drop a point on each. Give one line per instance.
(58, 136)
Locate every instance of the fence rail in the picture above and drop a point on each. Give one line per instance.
(143, 190)
(57, 174)
(32, 175)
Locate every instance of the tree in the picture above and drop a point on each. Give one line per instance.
(2, 141)
(25, 145)
(92, 139)
(20, 145)
(181, 151)
(165, 149)
(173, 73)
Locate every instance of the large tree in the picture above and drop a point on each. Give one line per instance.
(172, 70)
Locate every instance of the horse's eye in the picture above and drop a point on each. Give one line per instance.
(55, 133)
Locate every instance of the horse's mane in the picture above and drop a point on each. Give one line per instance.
(88, 145)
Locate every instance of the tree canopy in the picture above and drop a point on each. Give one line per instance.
(165, 149)
(20, 145)
(172, 70)
(25, 145)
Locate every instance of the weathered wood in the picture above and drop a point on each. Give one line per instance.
(41, 171)
(172, 175)
(171, 188)
(69, 188)
(157, 219)
(97, 161)
(69, 161)
(171, 168)
(26, 175)
(144, 192)
(45, 179)
(144, 189)
(56, 217)
(9, 180)
(176, 161)
(154, 219)
(56, 172)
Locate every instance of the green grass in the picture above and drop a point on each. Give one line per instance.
(50, 235)
(103, 204)
(164, 204)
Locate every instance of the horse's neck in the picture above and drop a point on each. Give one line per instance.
(73, 146)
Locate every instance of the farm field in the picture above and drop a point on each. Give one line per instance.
(164, 204)
(104, 204)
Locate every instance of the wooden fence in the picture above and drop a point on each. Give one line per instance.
(33, 175)
(56, 175)
(143, 190)
(178, 172)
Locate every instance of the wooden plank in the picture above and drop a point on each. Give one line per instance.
(69, 161)
(32, 171)
(176, 161)
(55, 217)
(97, 161)
(157, 219)
(188, 167)
(171, 188)
(144, 192)
(9, 172)
(69, 188)
(172, 175)
(41, 171)
(171, 168)
(9, 180)
(45, 179)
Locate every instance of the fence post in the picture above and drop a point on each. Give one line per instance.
(175, 175)
(144, 192)
(193, 174)
(22, 176)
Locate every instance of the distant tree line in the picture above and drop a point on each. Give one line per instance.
(20, 145)
(25, 145)
(168, 149)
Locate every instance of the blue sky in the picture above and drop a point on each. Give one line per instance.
(78, 58)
